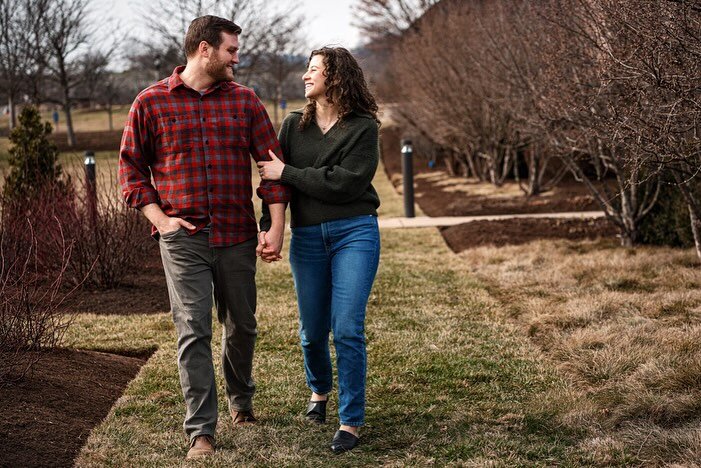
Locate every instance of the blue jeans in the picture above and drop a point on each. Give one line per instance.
(334, 265)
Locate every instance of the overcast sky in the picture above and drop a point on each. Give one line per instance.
(327, 21)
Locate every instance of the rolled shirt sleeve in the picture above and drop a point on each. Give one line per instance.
(135, 159)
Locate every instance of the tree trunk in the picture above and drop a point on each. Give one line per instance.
(109, 116)
(450, 163)
(696, 229)
(534, 168)
(627, 214)
(275, 106)
(693, 205)
(69, 124)
(627, 239)
(13, 113)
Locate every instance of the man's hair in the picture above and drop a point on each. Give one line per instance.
(208, 28)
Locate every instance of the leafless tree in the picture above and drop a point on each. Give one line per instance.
(651, 60)
(447, 89)
(260, 21)
(287, 55)
(19, 20)
(379, 18)
(582, 111)
(70, 44)
(103, 86)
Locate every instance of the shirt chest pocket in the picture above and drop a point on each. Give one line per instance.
(233, 131)
(177, 133)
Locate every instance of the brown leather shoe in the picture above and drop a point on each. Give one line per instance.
(243, 418)
(201, 447)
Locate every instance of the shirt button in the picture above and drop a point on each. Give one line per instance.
(206, 142)
(211, 189)
(203, 119)
(209, 166)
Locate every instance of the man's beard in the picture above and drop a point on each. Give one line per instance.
(219, 71)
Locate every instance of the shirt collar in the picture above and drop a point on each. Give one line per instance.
(174, 81)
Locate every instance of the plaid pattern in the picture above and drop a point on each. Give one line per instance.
(189, 152)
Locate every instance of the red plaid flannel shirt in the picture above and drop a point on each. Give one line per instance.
(190, 153)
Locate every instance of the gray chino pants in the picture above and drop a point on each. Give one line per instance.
(194, 271)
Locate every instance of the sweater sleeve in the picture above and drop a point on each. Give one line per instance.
(265, 220)
(342, 182)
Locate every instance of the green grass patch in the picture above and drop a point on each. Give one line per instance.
(446, 383)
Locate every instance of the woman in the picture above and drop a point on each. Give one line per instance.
(331, 149)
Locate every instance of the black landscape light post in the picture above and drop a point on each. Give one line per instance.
(90, 185)
(408, 178)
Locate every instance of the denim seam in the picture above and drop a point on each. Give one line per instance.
(353, 423)
(320, 392)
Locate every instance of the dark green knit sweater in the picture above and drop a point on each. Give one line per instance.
(330, 173)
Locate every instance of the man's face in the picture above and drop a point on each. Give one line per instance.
(222, 59)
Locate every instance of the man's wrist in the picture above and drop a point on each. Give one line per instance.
(155, 215)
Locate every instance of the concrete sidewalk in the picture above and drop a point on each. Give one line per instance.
(427, 221)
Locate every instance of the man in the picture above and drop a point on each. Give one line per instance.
(184, 162)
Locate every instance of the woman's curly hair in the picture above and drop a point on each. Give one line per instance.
(345, 86)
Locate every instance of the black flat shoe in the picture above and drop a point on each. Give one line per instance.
(316, 411)
(343, 441)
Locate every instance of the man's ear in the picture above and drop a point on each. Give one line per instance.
(204, 48)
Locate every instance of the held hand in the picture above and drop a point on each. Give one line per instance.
(273, 245)
(264, 251)
(169, 224)
(271, 170)
(262, 243)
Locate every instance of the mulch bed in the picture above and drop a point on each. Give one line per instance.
(47, 417)
(144, 292)
(523, 230)
(434, 201)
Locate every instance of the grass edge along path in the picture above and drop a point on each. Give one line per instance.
(446, 383)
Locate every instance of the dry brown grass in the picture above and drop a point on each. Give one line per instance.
(624, 329)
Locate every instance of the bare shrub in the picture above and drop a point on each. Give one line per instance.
(46, 211)
(109, 239)
(30, 300)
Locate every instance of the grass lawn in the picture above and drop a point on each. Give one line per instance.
(446, 382)
(549, 353)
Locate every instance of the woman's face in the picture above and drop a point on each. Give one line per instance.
(314, 86)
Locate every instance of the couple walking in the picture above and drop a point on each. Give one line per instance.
(184, 162)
